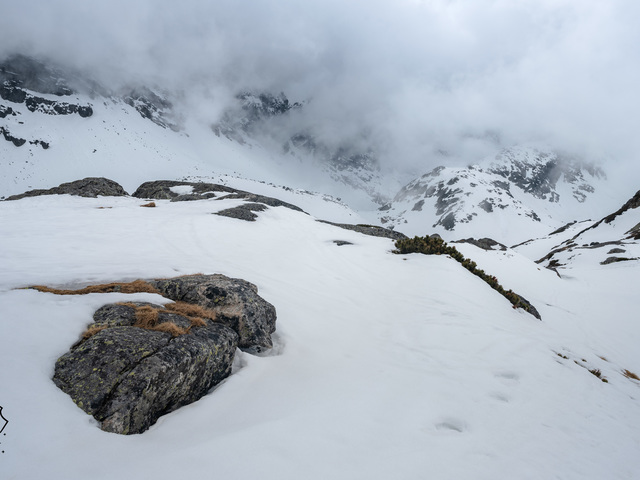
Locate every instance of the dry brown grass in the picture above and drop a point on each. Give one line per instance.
(150, 204)
(146, 317)
(195, 313)
(170, 327)
(90, 332)
(137, 286)
(630, 374)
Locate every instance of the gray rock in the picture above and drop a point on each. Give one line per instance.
(87, 187)
(161, 190)
(270, 201)
(483, 243)
(371, 230)
(127, 377)
(236, 303)
(243, 212)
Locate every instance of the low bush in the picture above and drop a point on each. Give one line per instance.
(432, 245)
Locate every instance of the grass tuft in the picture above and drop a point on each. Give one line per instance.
(137, 286)
(630, 374)
(195, 313)
(146, 317)
(90, 332)
(170, 327)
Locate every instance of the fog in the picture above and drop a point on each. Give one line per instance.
(426, 81)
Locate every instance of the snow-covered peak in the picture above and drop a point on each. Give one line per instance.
(520, 193)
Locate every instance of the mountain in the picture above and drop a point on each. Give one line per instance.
(383, 364)
(521, 191)
(60, 125)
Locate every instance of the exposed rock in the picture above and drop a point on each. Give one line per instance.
(371, 230)
(87, 187)
(18, 142)
(6, 111)
(168, 189)
(341, 243)
(616, 250)
(127, 377)
(615, 260)
(272, 202)
(243, 212)
(139, 361)
(235, 301)
(153, 106)
(178, 191)
(484, 243)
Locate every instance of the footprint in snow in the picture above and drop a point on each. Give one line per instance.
(452, 425)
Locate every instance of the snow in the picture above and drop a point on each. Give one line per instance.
(384, 366)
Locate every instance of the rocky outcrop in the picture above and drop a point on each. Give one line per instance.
(126, 377)
(371, 230)
(178, 191)
(235, 301)
(175, 190)
(138, 361)
(243, 212)
(152, 106)
(483, 243)
(87, 187)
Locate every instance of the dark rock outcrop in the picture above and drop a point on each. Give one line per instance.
(152, 106)
(161, 190)
(270, 201)
(235, 301)
(371, 230)
(127, 377)
(139, 361)
(18, 142)
(87, 187)
(243, 212)
(483, 243)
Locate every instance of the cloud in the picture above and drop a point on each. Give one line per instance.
(420, 77)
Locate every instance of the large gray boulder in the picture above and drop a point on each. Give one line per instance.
(127, 376)
(87, 187)
(164, 190)
(235, 301)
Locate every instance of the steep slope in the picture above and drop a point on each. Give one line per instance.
(615, 238)
(57, 125)
(522, 192)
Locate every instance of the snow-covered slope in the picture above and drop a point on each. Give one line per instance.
(614, 238)
(58, 127)
(522, 192)
(385, 365)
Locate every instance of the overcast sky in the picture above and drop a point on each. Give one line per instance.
(417, 75)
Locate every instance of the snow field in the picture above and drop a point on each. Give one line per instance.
(384, 365)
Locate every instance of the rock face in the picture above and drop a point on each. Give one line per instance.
(371, 230)
(243, 212)
(87, 187)
(484, 243)
(178, 191)
(127, 377)
(128, 370)
(235, 301)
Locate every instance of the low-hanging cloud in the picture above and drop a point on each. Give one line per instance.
(426, 80)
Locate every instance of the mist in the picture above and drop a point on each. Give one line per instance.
(426, 82)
